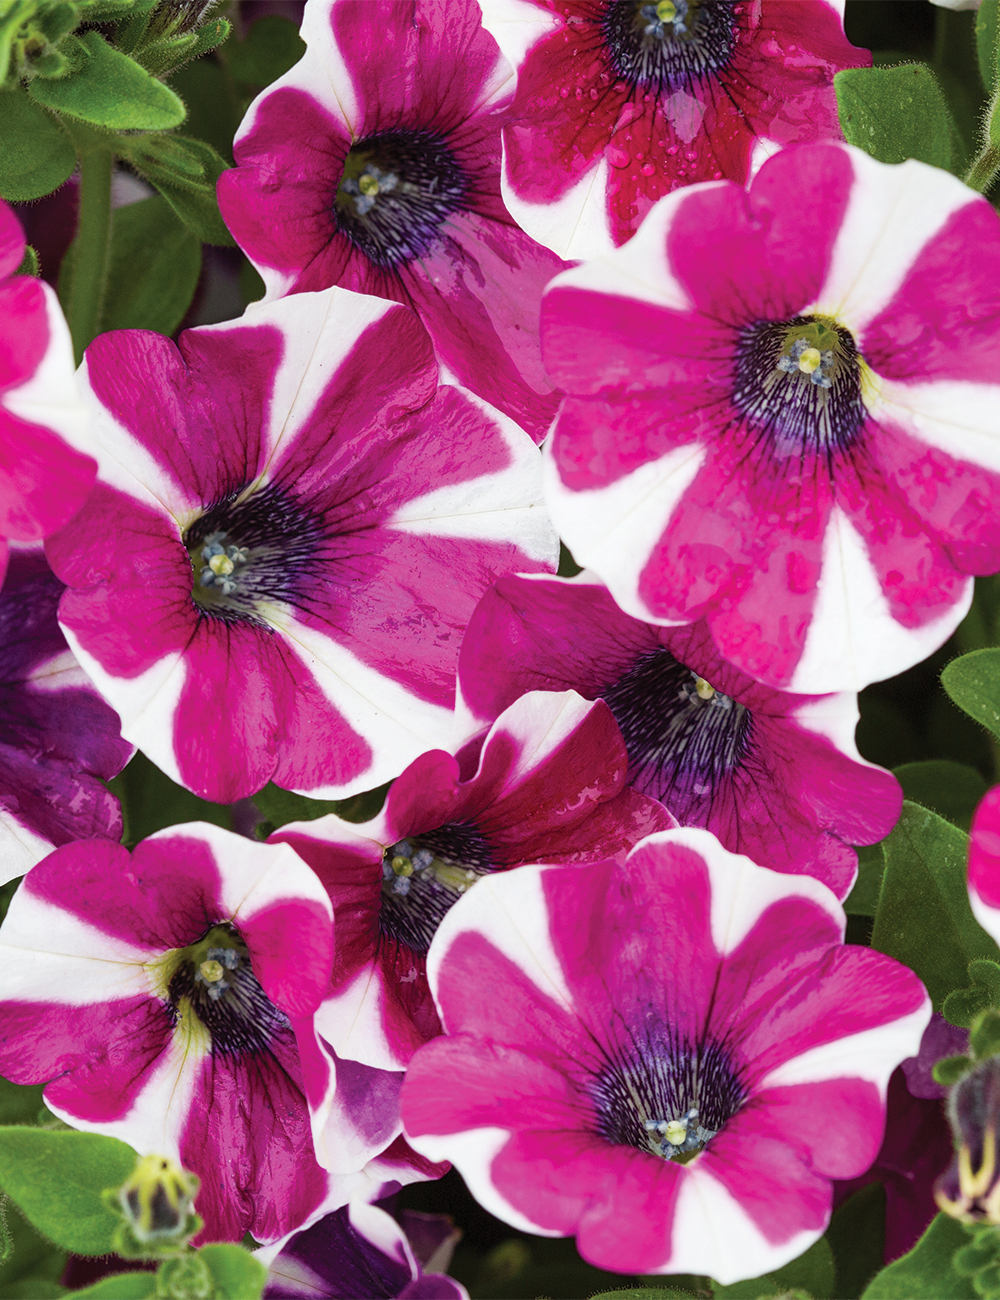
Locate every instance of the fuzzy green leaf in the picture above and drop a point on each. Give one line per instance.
(111, 90)
(119, 1286)
(154, 268)
(237, 1275)
(283, 806)
(926, 1273)
(36, 155)
(56, 1179)
(973, 682)
(950, 789)
(898, 113)
(863, 898)
(987, 30)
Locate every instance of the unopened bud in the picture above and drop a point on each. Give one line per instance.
(158, 1198)
(969, 1189)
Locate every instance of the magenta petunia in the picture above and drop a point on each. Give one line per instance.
(670, 1059)
(619, 102)
(292, 525)
(783, 414)
(984, 864)
(59, 741)
(167, 997)
(43, 480)
(548, 784)
(775, 776)
(375, 164)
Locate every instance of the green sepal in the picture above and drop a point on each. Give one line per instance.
(950, 1069)
(111, 90)
(59, 20)
(272, 45)
(107, 11)
(980, 1252)
(36, 155)
(927, 1271)
(235, 1272)
(924, 919)
(987, 1282)
(987, 31)
(283, 806)
(185, 171)
(898, 113)
(56, 1180)
(29, 262)
(966, 1004)
(973, 683)
(164, 56)
(984, 1038)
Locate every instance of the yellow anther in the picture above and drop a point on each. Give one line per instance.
(676, 1131)
(221, 565)
(704, 690)
(402, 866)
(211, 971)
(666, 11)
(810, 360)
(367, 184)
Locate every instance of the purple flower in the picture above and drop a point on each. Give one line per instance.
(619, 102)
(59, 738)
(167, 997)
(783, 414)
(671, 1059)
(546, 785)
(359, 1250)
(773, 775)
(292, 525)
(375, 164)
(43, 481)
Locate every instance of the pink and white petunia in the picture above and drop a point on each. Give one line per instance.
(620, 101)
(775, 776)
(783, 414)
(43, 480)
(670, 1059)
(984, 864)
(375, 164)
(59, 741)
(292, 525)
(167, 997)
(548, 784)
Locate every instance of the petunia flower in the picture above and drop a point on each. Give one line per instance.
(984, 863)
(167, 998)
(292, 525)
(621, 101)
(670, 1059)
(375, 164)
(783, 414)
(546, 785)
(43, 480)
(773, 775)
(359, 1250)
(59, 741)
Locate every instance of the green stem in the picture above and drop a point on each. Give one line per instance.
(93, 240)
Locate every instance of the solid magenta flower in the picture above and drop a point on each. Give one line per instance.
(773, 775)
(375, 164)
(670, 1058)
(783, 414)
(621, 101)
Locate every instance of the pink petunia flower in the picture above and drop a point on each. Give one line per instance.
(59, 741)
(984, 863)
(375, 164)
(167, 997)
(546, 785)
(43, 481)
(292, 526)
(621, 101)
(773, 775)
(670, 1059)
(783, 414)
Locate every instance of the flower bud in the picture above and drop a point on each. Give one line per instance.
(969, 1189)
(157, 1200)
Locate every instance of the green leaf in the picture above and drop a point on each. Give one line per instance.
(111, 90)
(29, 262)
(185, 171)
(213, 108)
(283, 806)
(34, 1266)
(153, 270)
(272, 46)
(19, 1105)
(36, 155)
(950, 1069)
(198, 210)
(120, 1286)
(863, 898)
(926, 1273)
(857, 1238)
(973, 682)
(951, 789)
(985, 1037)
(812, 1273)
(987, 29)
(237, 1275)
(152, 802)
(56, 1179)
(924, 919)
(898, 113)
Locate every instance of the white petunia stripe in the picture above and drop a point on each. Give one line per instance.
(836, 718)
(517, 25)
(576, 226)
(927, 411)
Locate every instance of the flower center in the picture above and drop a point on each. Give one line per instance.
(798, 384)
(252, 551)
(670, 45)
(683, 737)
(424, 876)
(214, 981)
(397, 190)
(666, 1096)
